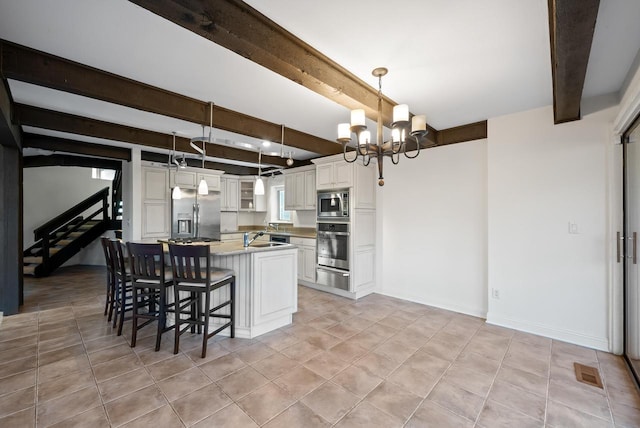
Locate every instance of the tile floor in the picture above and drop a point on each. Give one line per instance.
(377, 362)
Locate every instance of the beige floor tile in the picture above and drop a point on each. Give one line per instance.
(494, 349)
(112, 353)
(523, 379)
(134, 405)
(322, 340)
(23, 419)
(396, 350)
(265, 403)
(221, 367)
(342, 331)
(278, 340)
(321, 322)
(17, 366)
(183, 383)
(17, 400)
(558, 347)
(357, 380)
(114, 368)
(231, 416)
(348, 352)
(302, 351)
(242, 382)
(214, 351)
(470, 380)
(495, 415)
(627, 396)
(67, 406)
(625, 416)
(299, 382)
(393, 400)
(427, 363)
(326, 364)
(60, 354)
(65, 385)
(366, 415)
(366, 339)
(330, 401)
(234, 344)
(19, 342)
(457, 400)
(432, 415)
(200, 404)
(298, 415)
(275, 365)
(18, 353)
(517, 399)
(94, 418)
(18, 381)
(254, 353)
(443, 346)
(103, 342)
(162, 417)
(414, 381)
(170, 367)
(124, 384)
(576, 397)
(527, 363)
(532, 339)
(561, 416)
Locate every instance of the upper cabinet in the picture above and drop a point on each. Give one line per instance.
(184, 179)
(228, 194)
(249, 201)
(212, 180)
(300, 189)
(334, 175)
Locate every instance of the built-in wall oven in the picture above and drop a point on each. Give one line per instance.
(333, 255)
(333, 205)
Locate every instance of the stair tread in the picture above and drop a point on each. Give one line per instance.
(32, 259)
(28, 270)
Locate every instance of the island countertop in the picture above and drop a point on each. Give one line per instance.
(231, 248)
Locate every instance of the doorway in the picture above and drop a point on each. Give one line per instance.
(631, 206)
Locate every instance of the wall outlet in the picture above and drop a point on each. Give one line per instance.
(495, 293)
(573, 228)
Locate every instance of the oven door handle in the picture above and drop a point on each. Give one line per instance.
(323, 233)
(333, 270)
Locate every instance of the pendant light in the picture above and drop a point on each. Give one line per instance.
(259, 187)
(176, 193)
(203, 187)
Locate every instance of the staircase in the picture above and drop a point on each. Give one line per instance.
(64, 236)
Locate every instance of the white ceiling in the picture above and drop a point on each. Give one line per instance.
(456, 61)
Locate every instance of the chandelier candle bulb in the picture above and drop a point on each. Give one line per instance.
(365, 138)
(395, 135)
(401, 113)
(357, 117)
(419, 123)
(344, 131)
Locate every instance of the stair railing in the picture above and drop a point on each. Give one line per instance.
(45, 235)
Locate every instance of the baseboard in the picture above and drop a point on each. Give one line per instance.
(474, 312)
(600, 343)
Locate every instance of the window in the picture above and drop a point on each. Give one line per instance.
(283, 215)
(103, 174)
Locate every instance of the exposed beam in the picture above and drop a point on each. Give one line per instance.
(571, 27)
(57, 144)
(9, 133)
(28, 65)
(70, 160)
(460, 134)
(240, 28)
(64, 122)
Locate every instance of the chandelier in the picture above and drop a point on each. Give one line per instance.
(403, 134)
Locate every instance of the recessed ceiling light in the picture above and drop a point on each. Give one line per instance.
(266, 143)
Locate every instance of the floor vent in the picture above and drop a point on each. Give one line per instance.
(588, 375)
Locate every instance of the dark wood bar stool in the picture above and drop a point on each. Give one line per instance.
(150, 282)
(193, 275)
(122, 297)
(111, 280)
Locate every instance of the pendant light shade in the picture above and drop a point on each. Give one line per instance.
(203, 187)
(176, 194)
(259, 189)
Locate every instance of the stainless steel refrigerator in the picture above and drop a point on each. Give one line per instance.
(196, 216)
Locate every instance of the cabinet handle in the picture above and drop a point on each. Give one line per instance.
(618, 238)
(635, 247)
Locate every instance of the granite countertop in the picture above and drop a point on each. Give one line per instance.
(231, 248)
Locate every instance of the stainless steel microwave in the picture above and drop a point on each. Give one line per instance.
(333, 205)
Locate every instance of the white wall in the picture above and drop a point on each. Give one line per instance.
(541, 177)
(433, 216)
(50, 191)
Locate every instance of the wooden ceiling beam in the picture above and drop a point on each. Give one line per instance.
(66, 145)
(571, 27)
(242, 29)
(28, 65)
(460, 134)
(70, 160)
(9, 132)
(226, 167)
(64, 122)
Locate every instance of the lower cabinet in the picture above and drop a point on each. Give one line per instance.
(306, 258)
(275, 291)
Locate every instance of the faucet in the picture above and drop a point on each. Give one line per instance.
(246, 241)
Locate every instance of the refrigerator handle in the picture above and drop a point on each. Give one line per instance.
(196, 220)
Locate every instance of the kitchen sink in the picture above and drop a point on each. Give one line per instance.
(268, 244)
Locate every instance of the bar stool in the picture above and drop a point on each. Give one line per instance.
(111, 280)
(122, 296)
(193, 274)
(150, 282)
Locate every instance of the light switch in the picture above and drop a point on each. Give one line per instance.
(573, 228)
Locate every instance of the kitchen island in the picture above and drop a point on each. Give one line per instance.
(266, 284)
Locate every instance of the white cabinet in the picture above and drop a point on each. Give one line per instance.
(249, 201)
(212, 180)
(275, 286)
(155, 202)
(184, 179)
(334, 175)
(306, 258)
(300, 189)
(228, 194)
